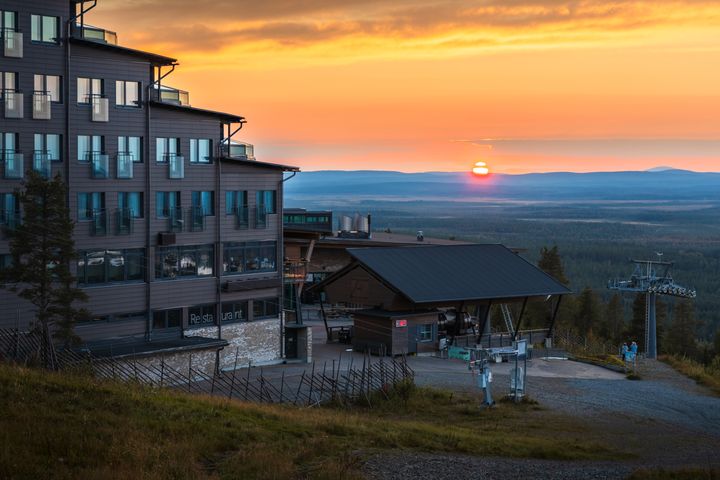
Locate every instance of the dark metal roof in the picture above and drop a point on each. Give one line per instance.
(152, 57)
(255, 163)
(447, 273)
(228, 117)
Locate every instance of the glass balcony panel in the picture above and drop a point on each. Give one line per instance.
(176, 223)
(261, 217)
(42, 164)
(172, 95)
(123, 221)
(100, 109)
(98, 34)
(100, 164)
(42, 106)
(13, 43)
(14, 164)
(176, 166)
(125, 165)
(242, 150)
(13, 104)
(98, 225)
(242, 219)
(197, 219)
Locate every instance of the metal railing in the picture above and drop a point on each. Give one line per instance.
(261, 216)
(100, 108)
(242, 217)
(14, 164)
(98, 224)
(99, 165)
(42, 106)
(14, 104)
(12, 43)
(176, 222)
(176, 165)
(42, 163)
(125, 165)
(124, 224)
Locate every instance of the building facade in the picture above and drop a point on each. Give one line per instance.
(179, 228)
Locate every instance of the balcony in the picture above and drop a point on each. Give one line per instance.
(244, 151)
(176, 165)
(196, 219)
(242, 217)
(96, 34)
(98, 225)
(261, 217)
(171, 95)
(13, 43)
(42, 163)
(14, 164)
(100, 108)
(99, 164)
(124, 221)
(125, 165)
(13, 104)
(42, 106)
(176, 223)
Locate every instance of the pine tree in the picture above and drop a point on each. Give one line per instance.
(614, 325)
(540, 314)
(551, 264)
(588, 312)
(42, 249)
(636, 329)
(680, 338)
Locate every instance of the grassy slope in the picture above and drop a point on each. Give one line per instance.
(72, 427)
(707, 375)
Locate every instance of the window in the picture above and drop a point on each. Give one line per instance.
(204, 201)
(265, 200)
(8, 82)
(167, 319)
(87, 88)
(183, 261)
(49, 144)
(201, 315)
(8, 20)
(200, 150)
(44, 29)
(49, 84)
(235, 201)
(97, 267)
(165, 203)
(265, 308)
(132, 201)
(116, 317)
(127, 94)
(249, 257)
(90, 203)
(89, 146)
(9, 209)
(8, 143)
(234, 312)
(166, 147)
(5, 261)
(131, 146)
(425, 332)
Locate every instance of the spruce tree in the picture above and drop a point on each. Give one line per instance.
(614, 325)
(636, 329)
(680, 338)
(551, 264)
(540, 314)
(42, 249)
(588, 312)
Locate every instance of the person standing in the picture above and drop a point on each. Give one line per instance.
(624, 352)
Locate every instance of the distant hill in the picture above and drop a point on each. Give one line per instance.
(662, 184)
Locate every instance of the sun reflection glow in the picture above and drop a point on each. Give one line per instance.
(481, 169)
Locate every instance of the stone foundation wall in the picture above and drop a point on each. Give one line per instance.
(252, 342)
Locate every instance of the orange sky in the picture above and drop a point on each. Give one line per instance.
(413, 85)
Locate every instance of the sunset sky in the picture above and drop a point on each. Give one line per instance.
(415, 85)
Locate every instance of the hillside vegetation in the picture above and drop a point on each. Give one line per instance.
(62, 426)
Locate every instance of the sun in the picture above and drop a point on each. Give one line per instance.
(481, 169)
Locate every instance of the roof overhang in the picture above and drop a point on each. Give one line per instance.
(225, 117)
(153, 58)
(255, 163)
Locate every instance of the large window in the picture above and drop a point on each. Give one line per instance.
(88, 146)
(249, 257)
(98, 267)
(235, 201)
(266, 200)
(234, 312)
(165, 203)
(90, 203)
(167, 318)
(44, 29)
(201, 315)
(131, 146)
(116, 317)
(267, 308)
(165, 148)
(48, 144)
(127, 94)
(132, 201)
(49, 84)
(87, 88)
(183, 261)
(204, 202)
(200, 149)
(9, 209)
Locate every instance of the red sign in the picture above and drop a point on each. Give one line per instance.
(400, 323)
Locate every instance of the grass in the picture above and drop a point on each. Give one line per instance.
(707, 375)
(685, 474)
(65, 426)
(600, 359)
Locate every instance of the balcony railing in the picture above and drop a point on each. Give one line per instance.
(42, 106)
(42, 163)
(176, 223)
(9, 219)
(125, 163)
(237, 150)
(124, 221)
(176, 165)
(172, 96)
(261, 217)
(242, 217)
(99, 164)
(100, 108)
(196, 219)
(14, 164)
(12, 43)
(14, 105)
(98, 225)
(96, 34)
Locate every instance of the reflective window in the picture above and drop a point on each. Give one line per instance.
(88, 146)
(49, 84)
(132, 201)
(200, 149)
(204, 201)
(127, 93)
(87, 88)
(267, 308)
(48, 143)
(44, 29)
(201, 315)
(131, 146)
(183, 261)
(249, 257)
(165, 202)
(167, 318)
(266, 199)
(90, 203)
(234, 312)
(110, 266)
(235, 201)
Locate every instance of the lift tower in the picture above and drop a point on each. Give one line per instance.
(653, 278)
